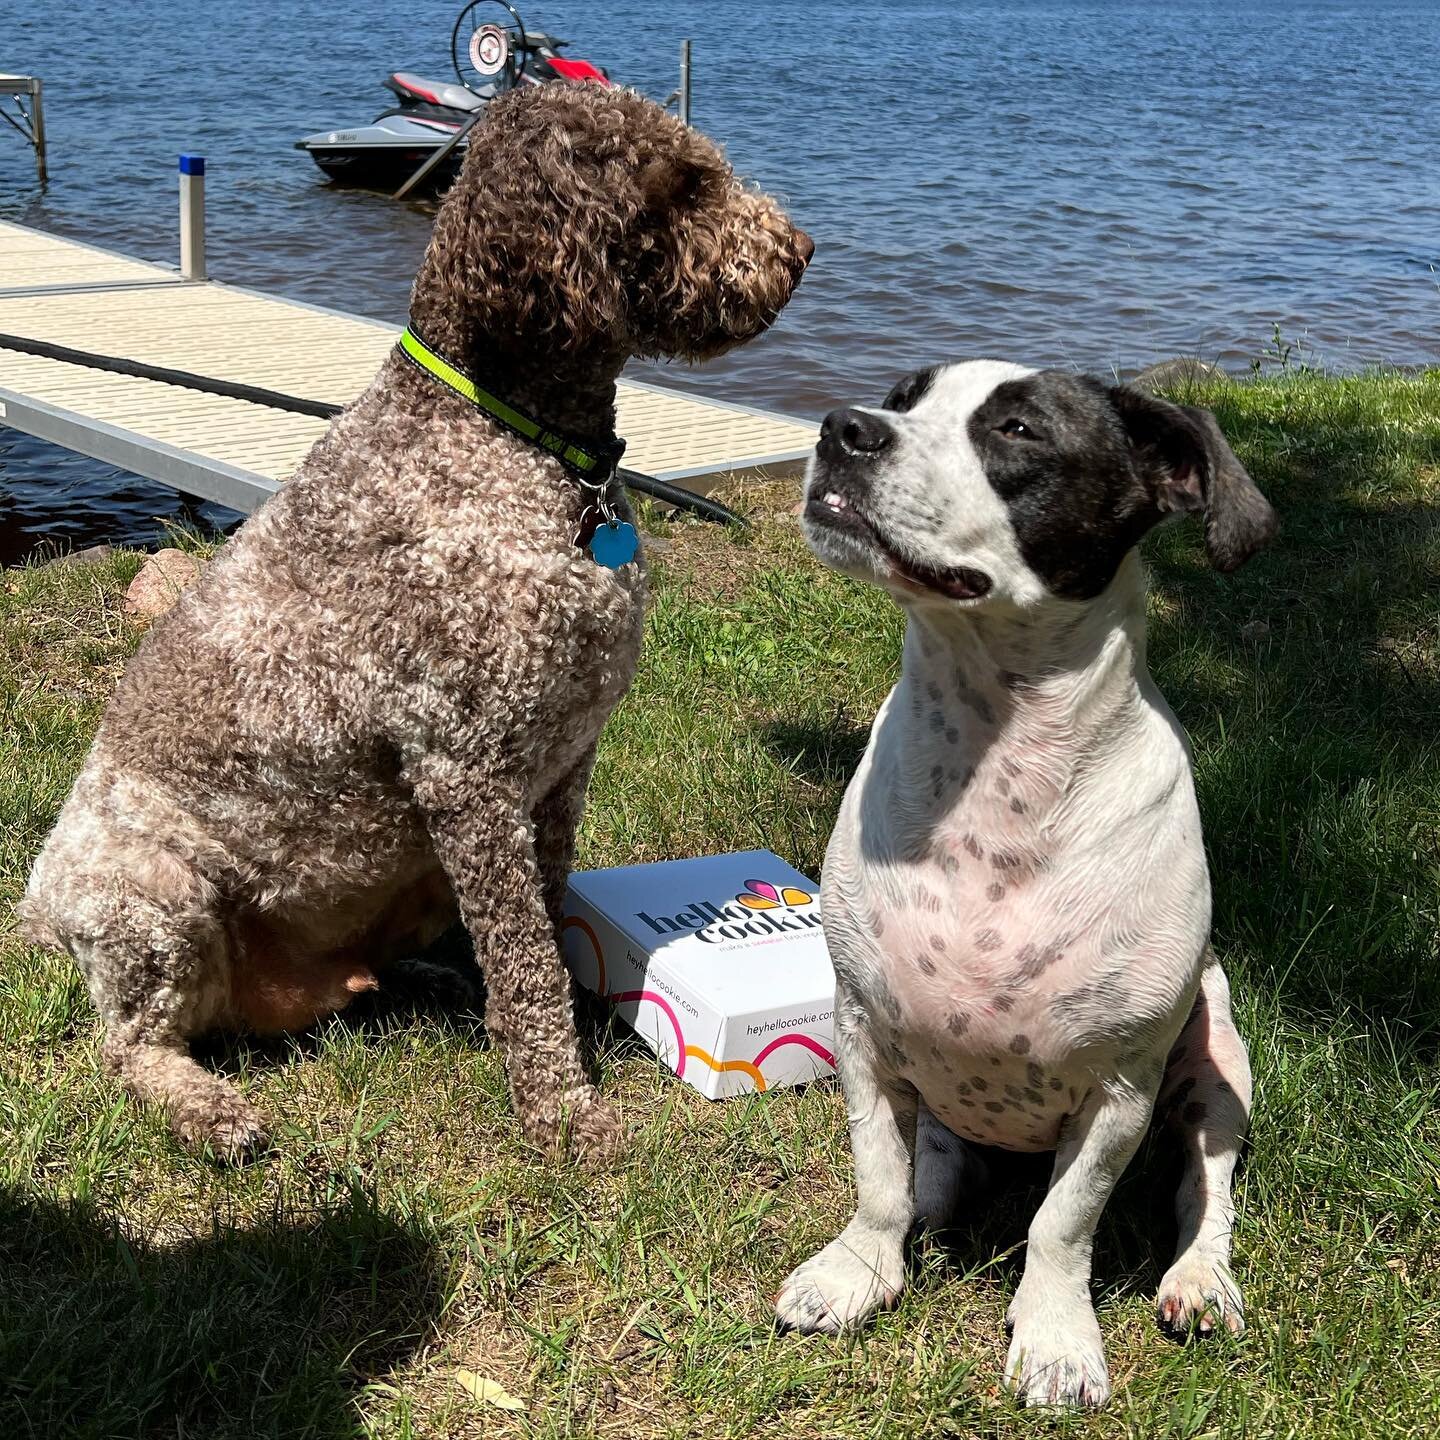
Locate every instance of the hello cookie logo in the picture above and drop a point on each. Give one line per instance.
(761, 909)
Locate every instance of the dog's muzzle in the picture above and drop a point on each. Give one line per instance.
(838, 503)
(850, 434)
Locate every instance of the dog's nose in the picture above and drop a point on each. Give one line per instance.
(847, 433)
(806, 245)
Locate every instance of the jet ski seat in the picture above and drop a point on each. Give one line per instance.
(438, 92)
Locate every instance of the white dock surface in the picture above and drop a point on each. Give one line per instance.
(235, 452)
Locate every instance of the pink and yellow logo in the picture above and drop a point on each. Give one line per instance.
(762, 895)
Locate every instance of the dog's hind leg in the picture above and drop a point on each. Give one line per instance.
(948, 1172)
(1206, 1098)
(204, 1109)
(156, 984)
(486, 843)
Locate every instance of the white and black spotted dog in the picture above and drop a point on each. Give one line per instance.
(1016, 895)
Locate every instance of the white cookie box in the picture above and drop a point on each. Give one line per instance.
(718, 963)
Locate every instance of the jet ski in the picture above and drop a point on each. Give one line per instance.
(427, 116)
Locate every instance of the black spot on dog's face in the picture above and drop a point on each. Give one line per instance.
(1085, 470)
(1057, 454)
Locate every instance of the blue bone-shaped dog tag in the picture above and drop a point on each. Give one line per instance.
(614, 544)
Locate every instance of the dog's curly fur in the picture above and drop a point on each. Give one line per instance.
(378, 707)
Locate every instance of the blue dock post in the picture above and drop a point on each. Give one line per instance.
(192, 217)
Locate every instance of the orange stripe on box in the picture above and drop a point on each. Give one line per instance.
(722, 1065)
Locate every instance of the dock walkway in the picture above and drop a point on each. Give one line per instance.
(237, 453)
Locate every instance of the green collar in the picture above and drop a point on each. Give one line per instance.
(592, 466)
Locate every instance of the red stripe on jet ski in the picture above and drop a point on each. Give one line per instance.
(574, 69)
(416, 90)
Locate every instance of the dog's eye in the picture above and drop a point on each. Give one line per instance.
(1013, 429)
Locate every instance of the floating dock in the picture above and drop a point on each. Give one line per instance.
(237, 453)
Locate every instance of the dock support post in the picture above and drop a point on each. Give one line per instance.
(192, 217)
(426, 166)
(685, 81)
(37, 130)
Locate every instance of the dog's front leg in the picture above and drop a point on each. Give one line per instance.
(863, 1268)
(486, 843)
(557, 819)
(1056, 1355)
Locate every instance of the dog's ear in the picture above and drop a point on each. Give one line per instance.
(670, 182)
(1187, 465)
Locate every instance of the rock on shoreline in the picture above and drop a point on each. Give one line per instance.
(158, 585)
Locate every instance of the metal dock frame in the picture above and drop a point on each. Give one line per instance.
(31, 122)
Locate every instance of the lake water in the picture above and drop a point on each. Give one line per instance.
(1062, 182)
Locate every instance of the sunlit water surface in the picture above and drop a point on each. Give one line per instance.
(1065, 182)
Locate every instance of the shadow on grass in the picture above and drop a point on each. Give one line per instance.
(825, 753)
(1134, 1241)
(261, 1332)
(1310, 684)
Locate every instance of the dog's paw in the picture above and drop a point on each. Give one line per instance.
(448, 986)
(595, 1133)
(1056, 1357)
(227, 1129)
(1197, 1296)
(852, 1277)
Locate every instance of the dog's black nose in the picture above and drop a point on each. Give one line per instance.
(847, 433)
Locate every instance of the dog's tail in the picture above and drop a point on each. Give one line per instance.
(36, 929)
(33, 923)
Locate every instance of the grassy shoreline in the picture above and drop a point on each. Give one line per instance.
(403, 1229)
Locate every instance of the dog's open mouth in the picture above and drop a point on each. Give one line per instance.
(833, 509)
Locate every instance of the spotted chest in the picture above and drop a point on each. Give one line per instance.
(970, 996)
(1003, 959)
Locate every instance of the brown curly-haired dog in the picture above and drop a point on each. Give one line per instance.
(380, 703)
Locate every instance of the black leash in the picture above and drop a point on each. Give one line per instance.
(662, 490)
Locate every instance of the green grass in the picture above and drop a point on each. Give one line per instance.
(403, 1229)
